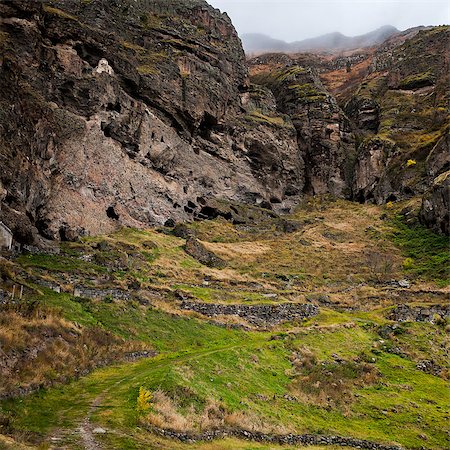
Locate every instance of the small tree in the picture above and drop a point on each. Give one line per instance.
(143, 400)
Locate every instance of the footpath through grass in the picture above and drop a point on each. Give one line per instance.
(254, 374)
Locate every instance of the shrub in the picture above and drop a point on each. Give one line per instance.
(143, 400)
(408, 263)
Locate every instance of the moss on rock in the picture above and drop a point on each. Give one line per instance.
(417, 81)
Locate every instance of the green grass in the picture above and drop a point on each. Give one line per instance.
(132, 321)
(71, 308)
(422, 341)
(406, 402)
(429, 252)
(259, 117)
(66, 405)
(252, 374)
(346, 342)
(60, 263)
(224, 295)
(307, 93)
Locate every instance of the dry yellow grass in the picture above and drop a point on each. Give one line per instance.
(6, 443)
(247, 251)
(37, 349)
(166, 414)
(340, 251)
(336, 246)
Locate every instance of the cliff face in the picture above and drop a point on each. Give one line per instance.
(401, 114)
(131, 113)
(324, 134)
(372, 126)
(134, 113)
(436, 205)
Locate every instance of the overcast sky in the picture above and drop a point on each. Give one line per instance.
(299, 19)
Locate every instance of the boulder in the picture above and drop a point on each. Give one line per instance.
(199, 252)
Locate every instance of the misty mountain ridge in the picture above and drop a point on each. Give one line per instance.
(336, 41)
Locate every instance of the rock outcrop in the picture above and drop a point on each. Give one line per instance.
(435, 209)
(141, 112)
(394, 99)
(130, 113)
(198, 251)
(399, 111)
(324, 135)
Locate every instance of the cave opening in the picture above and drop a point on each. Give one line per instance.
(111, 213)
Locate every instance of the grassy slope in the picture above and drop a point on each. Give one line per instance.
(402, 405)
(428, 253)
(250, 372)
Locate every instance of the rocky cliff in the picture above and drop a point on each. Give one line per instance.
(136, 113)
(130, 113)
(436, 205)
(372, 125)
(324, 135)
(401, 112)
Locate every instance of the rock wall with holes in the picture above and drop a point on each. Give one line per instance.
(141, 112)
(130, 113)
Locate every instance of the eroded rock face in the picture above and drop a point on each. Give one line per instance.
(436, 205)
(370, 181)
(131, 113)
(365, 112)
(438, 160)
(324, 135)
(403, 101)
(395, 99)
(139, 112)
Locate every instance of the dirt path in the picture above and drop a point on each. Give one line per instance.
(86, 428)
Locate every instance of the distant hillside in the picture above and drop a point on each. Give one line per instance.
(260, 43)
